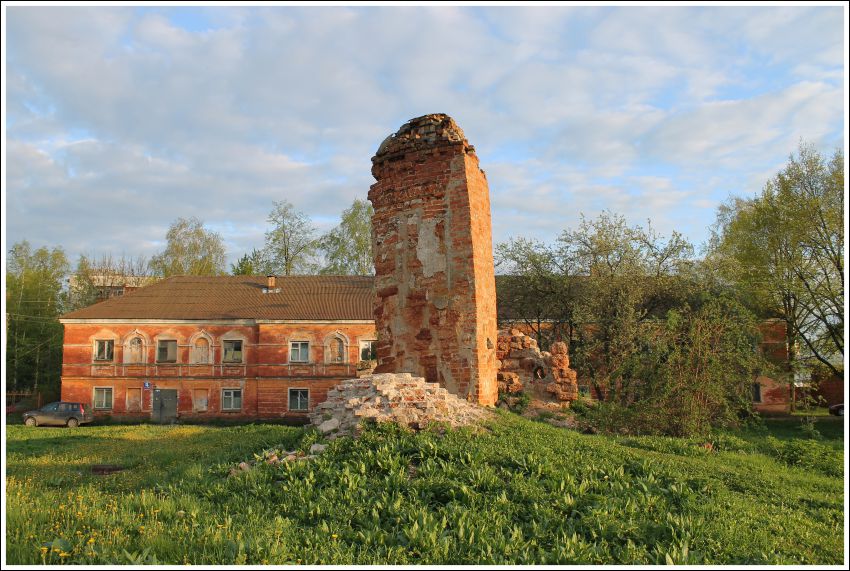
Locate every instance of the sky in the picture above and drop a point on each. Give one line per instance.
(119, 120)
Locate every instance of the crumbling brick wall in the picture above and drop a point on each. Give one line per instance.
(524, 368)
(435, 310)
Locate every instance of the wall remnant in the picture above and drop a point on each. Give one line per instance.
(524, 368)
(435, 311)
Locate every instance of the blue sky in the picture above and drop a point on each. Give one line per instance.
(121, 119)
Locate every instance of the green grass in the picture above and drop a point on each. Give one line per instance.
(520, 492)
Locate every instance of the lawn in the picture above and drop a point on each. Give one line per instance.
(515, 492)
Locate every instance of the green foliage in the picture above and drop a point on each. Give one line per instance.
(191, 250)
(521, 492)
(517, 403)
(253, 264)
(535, 290)
(784, 250)
(35, 298)
(348, 247)
(291, 243)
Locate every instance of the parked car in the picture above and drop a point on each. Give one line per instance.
(837, 409)
(70, 414)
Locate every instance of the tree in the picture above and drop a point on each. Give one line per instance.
(191, 250)
(35, 298)
(534, 289)
(629, 275)
(252, 264)
(94, 278)
(291, 244)
(784, 250)
(694, 369)
(348, 247)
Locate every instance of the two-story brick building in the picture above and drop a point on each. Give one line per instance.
(232, 347)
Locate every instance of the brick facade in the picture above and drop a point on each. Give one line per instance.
(435, 310)
(263, 373)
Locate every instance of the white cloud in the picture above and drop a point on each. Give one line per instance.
(121, 120)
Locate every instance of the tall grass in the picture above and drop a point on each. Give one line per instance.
(520, 492)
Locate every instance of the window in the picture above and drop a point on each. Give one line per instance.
(232, 351)
(201, 351)
(231, 399)
(367, 350)
(336, 351)
(299, 399)
(103, 349)
(135, 352)
(52, 407)
(756, 392)
(166, 352)
(103, 398)
(200, 400)
(299, 352)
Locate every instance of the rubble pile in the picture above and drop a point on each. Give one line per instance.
(524, 368)
(391, 397)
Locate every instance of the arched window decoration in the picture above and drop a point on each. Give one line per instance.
(135, 352)
(201, 351)
(337, 350)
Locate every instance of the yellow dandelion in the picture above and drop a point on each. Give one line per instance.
(44, 550)
(334, 536)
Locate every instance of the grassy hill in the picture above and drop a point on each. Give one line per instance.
(515, 492)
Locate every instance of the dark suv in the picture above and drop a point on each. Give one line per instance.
(70, 414)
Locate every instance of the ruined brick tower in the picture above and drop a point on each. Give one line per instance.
(435, 310)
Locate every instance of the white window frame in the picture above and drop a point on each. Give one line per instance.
(289, 400)
(241, 351)
(111, 398)
(176, 351)
(300, 343)
(97, 358)
(362, 345)
(231, 409)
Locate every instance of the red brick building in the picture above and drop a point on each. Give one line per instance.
(219, 347)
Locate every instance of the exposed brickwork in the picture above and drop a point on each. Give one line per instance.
(264, 376)
(523, 367)
(435, 310)
(391, 397)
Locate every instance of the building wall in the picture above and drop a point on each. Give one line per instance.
(436, 304)
(264, 376)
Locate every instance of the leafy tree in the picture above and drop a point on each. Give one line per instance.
(629, 275)
(251, 264)
(348, 247)
(693, 370)
(535, 290)
(35, 298)
(784, 250)
(191, 250)
(291, 244)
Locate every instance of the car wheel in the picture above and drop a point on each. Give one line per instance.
(30, 421)
(73, 423)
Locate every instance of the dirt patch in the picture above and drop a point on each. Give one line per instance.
(105, 469)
